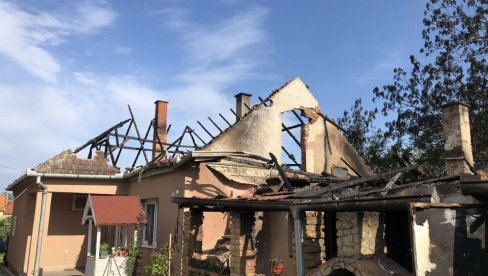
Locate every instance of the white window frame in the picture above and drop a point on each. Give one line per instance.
(155, 227)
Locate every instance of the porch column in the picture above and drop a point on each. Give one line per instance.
(97, 245)
(192, 238)
(89, 241)
(242, 247)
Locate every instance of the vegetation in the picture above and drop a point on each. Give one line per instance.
(160, 262)
(5, 224)
(275, 260)
(104, 246)
(452, 67)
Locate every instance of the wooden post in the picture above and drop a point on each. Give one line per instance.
(125, 235)
(117, 234)
(169, 255)
(88, 246)
(97, 245)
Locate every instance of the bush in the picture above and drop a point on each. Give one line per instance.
(160, 262)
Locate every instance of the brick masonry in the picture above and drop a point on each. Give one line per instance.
(339, 263)
(160, 125)
(192, 239)
(457, 137)
(242, 244)
(313, 239)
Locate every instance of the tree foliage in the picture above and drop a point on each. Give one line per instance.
(452, 67)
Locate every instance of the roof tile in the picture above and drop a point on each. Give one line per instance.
(68, 163)
(116, 210)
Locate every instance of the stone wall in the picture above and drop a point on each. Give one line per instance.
(360, 234)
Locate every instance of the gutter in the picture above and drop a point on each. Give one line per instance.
(475, 188)
(41, 225)
(32, 173)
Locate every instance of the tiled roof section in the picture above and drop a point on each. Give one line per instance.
(9, 209)
(68, 163)
(116, 210)
(2, 201)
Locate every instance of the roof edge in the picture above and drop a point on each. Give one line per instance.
(31, 173)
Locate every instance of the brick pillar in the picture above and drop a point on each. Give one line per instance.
(242, 247)
(360, 234)
(457, 137)
(160, 125)
(313, 239)
(192, 238)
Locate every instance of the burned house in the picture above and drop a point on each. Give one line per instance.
(232, 203)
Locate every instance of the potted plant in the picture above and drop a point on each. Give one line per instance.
(104, 247)
(277, 265)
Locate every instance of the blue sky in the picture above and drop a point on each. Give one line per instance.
(68, 69)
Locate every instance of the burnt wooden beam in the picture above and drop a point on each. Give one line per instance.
(138, 134)
(223, 118)
(282, 173)
(291, 127)
(208, 132)
(217, 126)
(101, 136)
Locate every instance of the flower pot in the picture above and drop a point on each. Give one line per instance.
(103, 254)
(278, 269)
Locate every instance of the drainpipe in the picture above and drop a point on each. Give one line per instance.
(41, 225)
(297, 222)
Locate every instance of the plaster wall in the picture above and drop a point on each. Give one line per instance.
(160, 187)
(65, 239)
(449, 239)
(339, 153)
(259, 132)
(20, 242)
(82, 186)
(277, 241)
(314, 150)
(64, 235)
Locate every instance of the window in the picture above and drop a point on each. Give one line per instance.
(13, 225)
(149, 230)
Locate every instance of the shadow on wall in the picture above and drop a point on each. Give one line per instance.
(470, 243)
(66, 237)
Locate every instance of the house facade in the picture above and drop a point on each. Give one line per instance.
(231, 205)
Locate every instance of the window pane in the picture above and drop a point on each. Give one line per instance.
(149, 229)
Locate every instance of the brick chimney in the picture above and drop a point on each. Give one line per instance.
(457, 137)
(160, 122)
(243, 103)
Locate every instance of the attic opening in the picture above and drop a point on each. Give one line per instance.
(292, 138)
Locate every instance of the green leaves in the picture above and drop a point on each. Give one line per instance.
(454, 68)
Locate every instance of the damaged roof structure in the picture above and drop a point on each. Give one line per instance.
(232, 202)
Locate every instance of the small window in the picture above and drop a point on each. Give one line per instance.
(149, 230)
(14, 225)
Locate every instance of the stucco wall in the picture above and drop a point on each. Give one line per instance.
(65, 242)
(160, 187)
(19, 244)
(64, 235)
(259, 132)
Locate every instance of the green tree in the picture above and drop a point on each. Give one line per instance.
(5, 223)
(453, 67)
